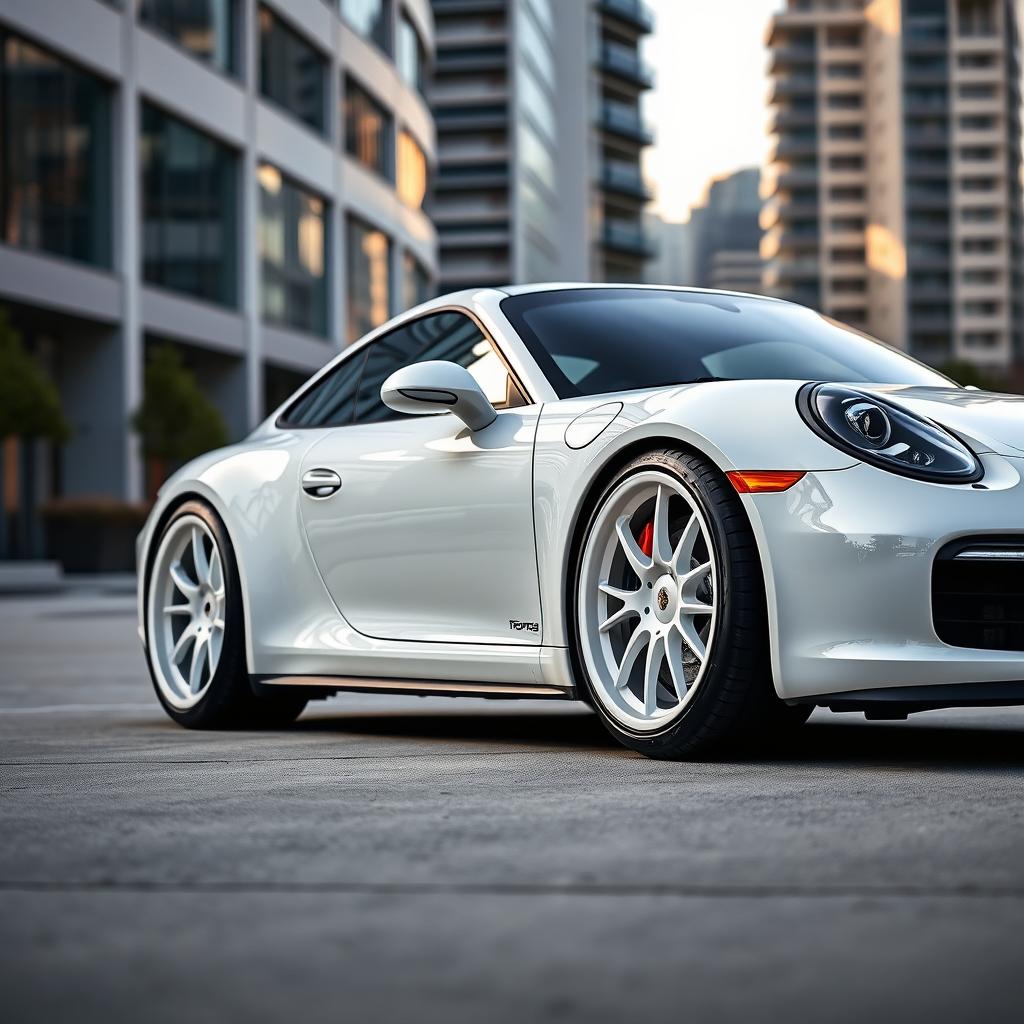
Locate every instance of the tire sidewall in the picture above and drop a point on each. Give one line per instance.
(695, 709)
(223, 688)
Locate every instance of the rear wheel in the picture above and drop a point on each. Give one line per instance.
(195, 629)
(670, 629)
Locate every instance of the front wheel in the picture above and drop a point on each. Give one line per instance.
(668, 611)
(195, 629)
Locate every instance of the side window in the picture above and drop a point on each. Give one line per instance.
(448, 335)
(329, 402)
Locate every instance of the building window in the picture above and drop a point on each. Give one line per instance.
(846, 163)
(292, 72)
(412, 171)
(55, 191)
(188, 209)
(977, 123)
(416, 285)
(205, 28)
(293, 252)
(368, 278)
(371, 19)
(845, 101)
(368, 129)
(411, 56)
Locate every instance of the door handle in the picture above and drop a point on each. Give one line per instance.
(321, 483)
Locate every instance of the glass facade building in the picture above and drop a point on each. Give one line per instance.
(369, 129)
(205, 28)
(293, 253)
(189, 209)
(55, 187)
(293, 73)
(368, 279)
(193, 173)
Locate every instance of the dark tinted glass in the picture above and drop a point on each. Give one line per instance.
(368, 274)
(410, 57)
(54, 154)
(368, 129)
(449, 335)
(329, 402)
(206, 28)
(593, 341)
(292, 72)
(371, 19)
(293, 250)
(188, 209)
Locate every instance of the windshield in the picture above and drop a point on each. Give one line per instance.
(589, 341)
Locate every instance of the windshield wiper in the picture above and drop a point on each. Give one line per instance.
(700, 380)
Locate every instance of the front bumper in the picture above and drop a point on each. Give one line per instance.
(847, 558)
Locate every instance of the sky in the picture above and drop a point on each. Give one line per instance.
(708, 105)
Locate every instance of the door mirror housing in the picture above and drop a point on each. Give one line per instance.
(436, 386)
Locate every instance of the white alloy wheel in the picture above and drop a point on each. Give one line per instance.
(648, 600)
(185, 611)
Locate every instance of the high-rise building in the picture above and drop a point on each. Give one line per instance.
(244, 179)
(537, 104)
(719, 246)
(727, 235)
(893, 192)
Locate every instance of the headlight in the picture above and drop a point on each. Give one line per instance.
(885, 435)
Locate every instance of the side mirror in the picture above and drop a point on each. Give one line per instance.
(434, 387)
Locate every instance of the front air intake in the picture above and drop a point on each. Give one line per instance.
(978, 593)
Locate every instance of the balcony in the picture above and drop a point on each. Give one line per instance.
(793, 85)
(790, 56)
(634, 12)
(793, 144)
(625, 178)
(784, 118)
(797, 177)
(626, 236)
(624, 120)
(625, 63)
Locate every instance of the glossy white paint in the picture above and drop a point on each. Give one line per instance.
(431, 535)
(435, 386)
(439, 536)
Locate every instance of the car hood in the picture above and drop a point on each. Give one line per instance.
(986, 420)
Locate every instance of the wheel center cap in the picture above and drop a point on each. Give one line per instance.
(666, 598)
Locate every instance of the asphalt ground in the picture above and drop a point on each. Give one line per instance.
(392, 859)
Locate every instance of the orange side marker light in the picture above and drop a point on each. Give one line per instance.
(764, 481)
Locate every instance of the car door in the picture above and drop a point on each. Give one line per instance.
(421, 528)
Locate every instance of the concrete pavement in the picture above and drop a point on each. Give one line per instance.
(409, 859)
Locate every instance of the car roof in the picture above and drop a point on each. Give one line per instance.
(553, 286)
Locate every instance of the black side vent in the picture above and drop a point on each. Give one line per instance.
(978, 593)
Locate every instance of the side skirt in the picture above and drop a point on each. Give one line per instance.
(321, 687)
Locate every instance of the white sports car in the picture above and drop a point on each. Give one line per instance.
(703, 513)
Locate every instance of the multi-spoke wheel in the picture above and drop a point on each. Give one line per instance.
(195, 629)
(669, 622)
(187, 598)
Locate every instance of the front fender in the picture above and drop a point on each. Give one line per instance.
(746, 425)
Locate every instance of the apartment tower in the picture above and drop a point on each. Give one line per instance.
(892, 195)
(537, 105)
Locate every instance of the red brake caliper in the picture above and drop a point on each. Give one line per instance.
(646, 538)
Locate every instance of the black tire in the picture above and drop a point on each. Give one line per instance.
(735, 707)
(229, 701)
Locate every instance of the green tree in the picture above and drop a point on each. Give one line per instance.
(30, 404)
(175, 421)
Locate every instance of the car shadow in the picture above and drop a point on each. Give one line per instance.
(826, 739)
